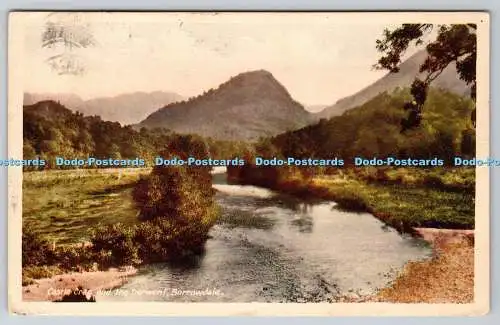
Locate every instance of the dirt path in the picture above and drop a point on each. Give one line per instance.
(50, 289)
(446, 278)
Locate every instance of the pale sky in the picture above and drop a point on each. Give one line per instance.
(318, 58)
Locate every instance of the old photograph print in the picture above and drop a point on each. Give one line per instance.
(315, 160)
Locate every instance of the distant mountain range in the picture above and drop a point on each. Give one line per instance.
(248, 106)
(409, 69)
(127, 108)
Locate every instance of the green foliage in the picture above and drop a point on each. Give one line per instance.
(468, 143)
(372, 129)
(51, 130)
(61, 204)
(454, 43)
(114, 245)
(41, 260)
(220, 149)
(36, 250)
(180, 193)
(396, 42)
(162, 240)
(77, 258)
(401, 197)
(178, 201)
(446, 179)
(351, 200)
(31, 273)
(176, 204)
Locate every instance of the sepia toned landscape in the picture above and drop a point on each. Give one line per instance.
(190, 160)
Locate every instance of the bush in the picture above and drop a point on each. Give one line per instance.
(162, 240)
(35, 249)
(150, 240)
(176, 203)
(31, 273)
(181, 194)
(73, 258)
(113, 245)
(434, 181)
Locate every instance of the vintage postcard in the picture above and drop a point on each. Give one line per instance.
(232, 163)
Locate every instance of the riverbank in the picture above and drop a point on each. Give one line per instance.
(448, 277)
(403, 206)
(441, 211)
(426, 281)
(54, 288)
(451, 247)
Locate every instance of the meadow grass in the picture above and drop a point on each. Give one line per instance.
(61, 205)
(92, 218)
(403, 198)
(401, 206)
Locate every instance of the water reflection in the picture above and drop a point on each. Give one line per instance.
(191, 262)
(269, 247)
(219, 178)
(233, 218)
(304, 223)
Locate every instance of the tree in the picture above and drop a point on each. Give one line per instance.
(454, 43)
(178, 200)
(180, 193)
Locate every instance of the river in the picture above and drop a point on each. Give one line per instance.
(269, 247)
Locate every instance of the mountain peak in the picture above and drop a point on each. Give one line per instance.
(254, 76)
(47, 109)
(247, 106)
(257, 73)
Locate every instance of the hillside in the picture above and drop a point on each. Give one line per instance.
(50, 129)
(68, 100)
(409, 69)
(249, 105)
(373, 129)
(126, 109)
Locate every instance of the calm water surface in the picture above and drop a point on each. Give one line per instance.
(269, 247)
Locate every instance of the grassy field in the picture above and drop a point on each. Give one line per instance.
(403, 206)
(415, 197)
(62, 204)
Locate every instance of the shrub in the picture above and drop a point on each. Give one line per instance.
(73, 258)
(149, 239)
(114, 245)
(162, 240)
(176, 203)
(434, 181)
(31, 273)
(35, 249)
